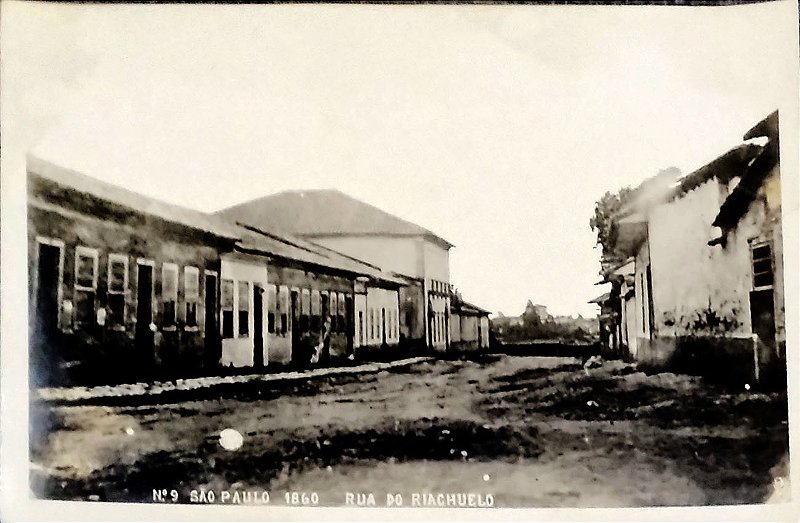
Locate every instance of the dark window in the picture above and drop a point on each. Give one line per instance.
(305, 310)
(117, 286)
(169, 293)
(272, 305)
(84, 306)
(316, 306)
(191, 291)
(85, 284)
(226, 305)
(762, 266)
(244, 309)
(341, 313)
(284, 323)
(116, 309)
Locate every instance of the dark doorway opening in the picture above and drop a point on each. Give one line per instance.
(383, 326)
(350, 326)
(145, 352)
(212, 345)
(258, 327)
(44, 347)
(762, 315)
(296, 358)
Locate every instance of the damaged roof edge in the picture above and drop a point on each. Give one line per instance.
(766, 128)
(738, 201)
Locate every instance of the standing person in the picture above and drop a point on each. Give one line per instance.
(326, 339)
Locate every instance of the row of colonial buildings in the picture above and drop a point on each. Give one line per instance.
(123, 286)
(698, 278)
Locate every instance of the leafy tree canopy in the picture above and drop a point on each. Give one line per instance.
(604, 221)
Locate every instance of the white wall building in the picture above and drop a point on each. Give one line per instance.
(360, 230)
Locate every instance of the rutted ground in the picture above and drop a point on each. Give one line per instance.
(537, 432)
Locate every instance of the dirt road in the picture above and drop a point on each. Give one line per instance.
(518, 431)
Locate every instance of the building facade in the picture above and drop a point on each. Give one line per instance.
(124, 287)
(691, 295)
(352, 227)
(119, 286)
(469, 326)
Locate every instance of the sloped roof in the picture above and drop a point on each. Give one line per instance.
(288, 247)
(71, 179)
(270, 243)
(323, 213)
(473, 309)
(601, 299)
(730, 165)
(738, 201)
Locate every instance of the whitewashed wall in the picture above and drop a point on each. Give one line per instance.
(398, 254)
(692, 279)
(238, 351)
(379, 300)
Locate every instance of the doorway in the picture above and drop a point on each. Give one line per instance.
(295, 323)
(44, 344)
(383, 326)
(762, 315)
(145, 352)
(213, 353)
(350, 326)
(258, 326)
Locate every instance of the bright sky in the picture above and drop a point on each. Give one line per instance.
(496, 127)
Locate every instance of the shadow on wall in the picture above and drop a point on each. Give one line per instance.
(731, 361)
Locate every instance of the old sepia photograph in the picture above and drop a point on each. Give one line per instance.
(399, 256)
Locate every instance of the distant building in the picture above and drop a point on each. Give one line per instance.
(347, 225)
(469, 326)
(539, 310)
(702, 276)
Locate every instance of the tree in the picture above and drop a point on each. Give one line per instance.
(604, 220)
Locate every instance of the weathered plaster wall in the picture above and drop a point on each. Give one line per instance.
(701, 293)
(288, 278)
(437, 262)
(698, 290)
(412, 313)
(239, 350)
(382, 317)
(77, 220)
(455, 328)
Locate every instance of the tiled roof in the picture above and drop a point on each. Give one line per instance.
(118, 195)
(267, 242)
(323, 213)
(288, 247)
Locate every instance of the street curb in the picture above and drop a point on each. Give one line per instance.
(68, 395)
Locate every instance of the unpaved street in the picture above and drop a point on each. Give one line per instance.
(530, 432)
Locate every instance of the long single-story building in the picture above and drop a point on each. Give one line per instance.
(120, 285)
(126, 287)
